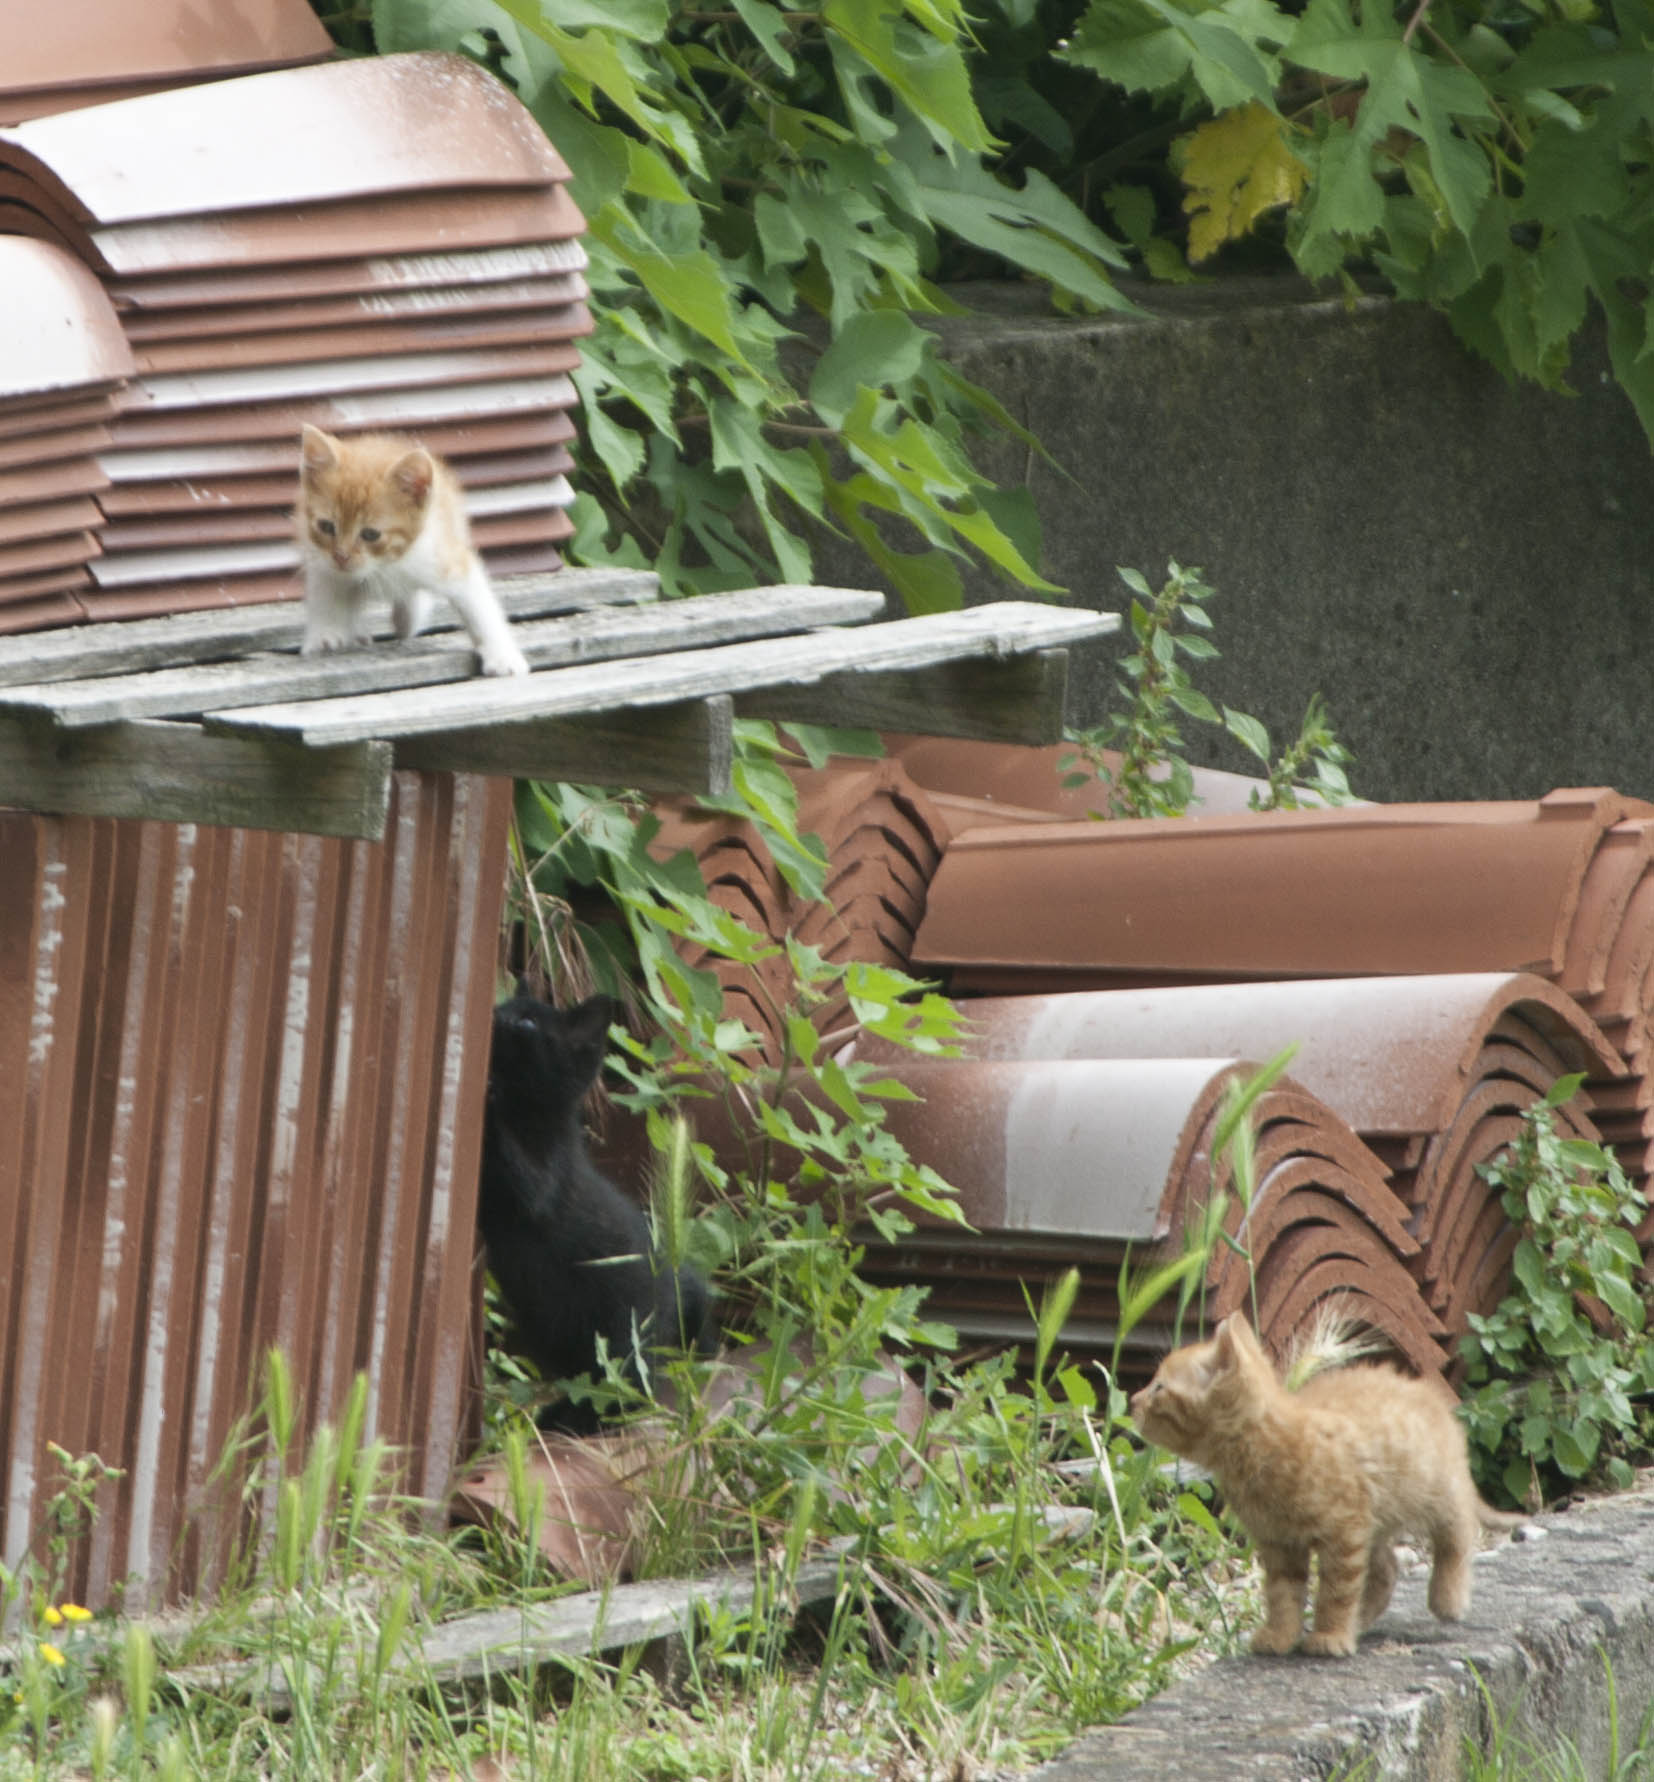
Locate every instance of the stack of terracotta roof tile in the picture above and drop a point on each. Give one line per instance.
(1440, 967)
(883, 839)
(1431, 1072)
(1562, 886)
(97, 51)
(1082, 1160)
(62, 357)
(385, 243)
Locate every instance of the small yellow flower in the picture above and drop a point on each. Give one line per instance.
(52, 1617)
(74, 1612)
(51, 1654)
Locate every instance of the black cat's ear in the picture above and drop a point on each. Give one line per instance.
(524, 988)
(588, 1033)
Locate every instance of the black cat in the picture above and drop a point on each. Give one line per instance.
(551, 1220)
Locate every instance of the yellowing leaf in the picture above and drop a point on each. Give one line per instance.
(1236, 167)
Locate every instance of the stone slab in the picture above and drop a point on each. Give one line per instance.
(1464, 568)
(1550, 1618)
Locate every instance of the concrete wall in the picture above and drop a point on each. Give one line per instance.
(1464, 569)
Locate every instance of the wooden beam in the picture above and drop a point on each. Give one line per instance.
(131, 645)
(664, 750)
(177, 773)
(1007, 628)
(599, 635)
(1018, 699)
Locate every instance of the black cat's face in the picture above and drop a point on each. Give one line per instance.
(544, 1059)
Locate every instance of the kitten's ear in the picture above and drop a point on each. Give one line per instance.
(588, 1032)
(413, 474)
(317, 450)
(1231, 1340)
(524, 988)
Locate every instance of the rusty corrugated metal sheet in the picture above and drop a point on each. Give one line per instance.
(240, 1105)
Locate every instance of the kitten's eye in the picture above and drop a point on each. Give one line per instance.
(325, 527)
(369, 535)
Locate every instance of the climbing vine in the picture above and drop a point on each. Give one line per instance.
(1491, 157)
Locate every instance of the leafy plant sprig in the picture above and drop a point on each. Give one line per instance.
(1561, 1373)
(1152, 776)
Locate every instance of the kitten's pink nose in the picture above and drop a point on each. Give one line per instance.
(342, 559)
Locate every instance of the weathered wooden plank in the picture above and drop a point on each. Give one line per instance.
(516, 1639)
(1019, 699)
(528, 1638)
(594, 636)
(176, 773)
(1007, 628)
(132, 645)
(664, 750)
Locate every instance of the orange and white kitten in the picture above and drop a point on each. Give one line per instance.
(1337, 1469)
(378, 515)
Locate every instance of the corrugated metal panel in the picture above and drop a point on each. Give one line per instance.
(241, 1081)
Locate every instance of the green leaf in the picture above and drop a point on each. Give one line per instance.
(874, 349)
(820, 742)
(926, 74)
(1623, 1300)
(1148, 45)
(1249, 732)
(689, 286)
(1405, 90)
(649, 175)
(769, 25)
(1036, 230)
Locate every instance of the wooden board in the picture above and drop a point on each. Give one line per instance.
(174, 773)
(1020, 699)
(664, 750)
(1007, 628)
(595, 636)
(141, 644)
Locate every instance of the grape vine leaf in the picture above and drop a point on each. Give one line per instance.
(1405, 91)
(1237, 166)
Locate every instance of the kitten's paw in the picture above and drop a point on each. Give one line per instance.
(325, 641)
(1268, 1642)
(1330, 1645)
(504, 659)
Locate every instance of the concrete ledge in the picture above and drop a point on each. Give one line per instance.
(1545, 1615)
(1463, 568)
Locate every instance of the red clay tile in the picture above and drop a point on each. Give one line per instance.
(349, 309)
(51, 416)
(34, 614)
(421, 408)
(1378, 888)
(50, 480)
(27, 521)
(377, 125)
(54, 445)
(531, 328)
(87, 51)
(409, 223)
(61, 335)
(1393, 1056)
(432, 266)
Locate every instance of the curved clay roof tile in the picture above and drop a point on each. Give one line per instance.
(380, 125)
(97, 42)
(60, 332)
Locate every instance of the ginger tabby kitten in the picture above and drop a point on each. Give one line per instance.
(1337, 1469)
(380, 515)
